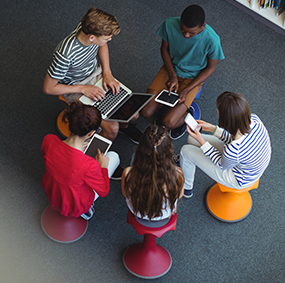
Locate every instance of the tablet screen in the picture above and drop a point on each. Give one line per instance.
(97, 142)
(167, 99)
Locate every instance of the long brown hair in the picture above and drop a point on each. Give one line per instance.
(234, 113)
(154, 179)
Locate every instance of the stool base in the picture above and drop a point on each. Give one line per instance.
(147, 263)
(62, 229)
(228, 206)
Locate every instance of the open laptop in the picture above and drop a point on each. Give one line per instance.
(121, 107)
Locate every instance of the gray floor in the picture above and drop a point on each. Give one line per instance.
(203, 249)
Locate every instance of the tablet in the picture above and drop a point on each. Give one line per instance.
(169, 100)
(192, 123)
(97, 142)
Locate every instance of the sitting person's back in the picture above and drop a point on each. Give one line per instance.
(153, 184)
(71, 176)
(72, 180)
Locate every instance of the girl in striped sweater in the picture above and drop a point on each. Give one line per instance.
(237, 152)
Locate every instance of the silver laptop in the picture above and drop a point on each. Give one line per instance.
(121, 107)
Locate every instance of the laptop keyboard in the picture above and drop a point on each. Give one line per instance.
(110, 101)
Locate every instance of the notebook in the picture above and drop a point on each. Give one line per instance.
(121, 107)
(97, 142)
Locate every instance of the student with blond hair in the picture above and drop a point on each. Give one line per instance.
(81, 59)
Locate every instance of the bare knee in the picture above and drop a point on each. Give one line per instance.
(169, 122)
(110, 130)
(146, 112)
(151, 107)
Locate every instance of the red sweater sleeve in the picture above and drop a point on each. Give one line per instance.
(97, 178)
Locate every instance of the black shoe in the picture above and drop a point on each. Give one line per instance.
(177, 133)
(117, 175)
(132, 132)
(191, 110)
(188, 193)
(89, 213)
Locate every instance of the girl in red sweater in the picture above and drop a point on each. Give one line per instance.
(72, 180)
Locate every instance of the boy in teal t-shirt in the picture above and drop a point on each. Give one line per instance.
(190, 50)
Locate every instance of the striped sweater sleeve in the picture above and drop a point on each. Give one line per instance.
(226, 159)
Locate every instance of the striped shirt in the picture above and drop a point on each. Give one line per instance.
(72, 61)
(247, 156)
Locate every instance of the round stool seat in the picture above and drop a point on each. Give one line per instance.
(228, 204)
(148, 260)
(62, 229)
(197, 110)
(62, 127)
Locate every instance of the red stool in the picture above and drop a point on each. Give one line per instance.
(62, 229)
(228, 204)
(148, 260)
(62, 127)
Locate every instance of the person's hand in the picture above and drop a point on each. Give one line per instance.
(205, 126)
(182, 96)
(109, 81)
(196, 135)
(172, 83)
(102, 159)
(93, 92)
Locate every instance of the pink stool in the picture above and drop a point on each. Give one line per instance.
(62, 229)
(148, 260)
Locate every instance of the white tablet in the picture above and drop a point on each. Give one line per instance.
(192, 123)
(169, 100)
(97, 142)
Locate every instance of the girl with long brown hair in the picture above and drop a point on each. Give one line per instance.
(153, 184)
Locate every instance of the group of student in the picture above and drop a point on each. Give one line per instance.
(235, 153)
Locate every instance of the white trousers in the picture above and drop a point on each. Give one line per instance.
(191, 156)
(114, 161)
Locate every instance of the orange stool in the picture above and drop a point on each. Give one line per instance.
(62, 229)
(62, 127)
(228, 204)
(148, 260)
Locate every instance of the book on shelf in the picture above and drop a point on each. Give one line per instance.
(278, 5)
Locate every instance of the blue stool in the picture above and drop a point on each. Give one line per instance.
(196, 108)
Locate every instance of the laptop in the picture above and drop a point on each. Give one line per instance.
(121, 107)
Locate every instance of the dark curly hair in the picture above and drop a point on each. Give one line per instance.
(193, 16)
(82, 118)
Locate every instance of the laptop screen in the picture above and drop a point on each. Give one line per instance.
(131, 107)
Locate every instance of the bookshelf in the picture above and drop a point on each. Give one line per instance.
(267, 16)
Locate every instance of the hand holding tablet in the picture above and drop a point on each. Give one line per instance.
(97, 142)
